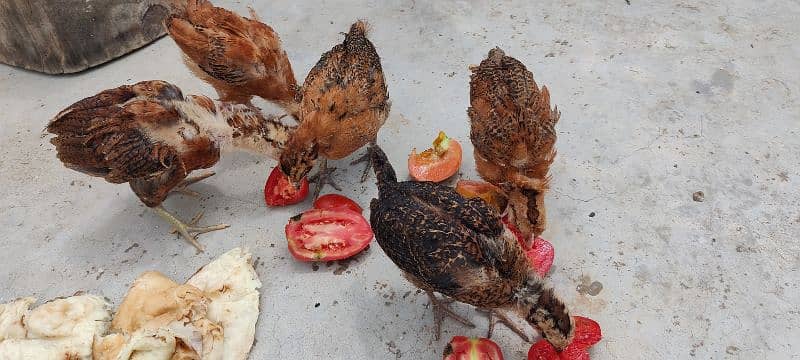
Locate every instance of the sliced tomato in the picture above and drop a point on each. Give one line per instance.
(278, 191)
(543, 350)
(574, 353)
(587, 333)
(491, 194)
(437, 163)
(464, 348)
(541, 253)
(335, 201)
(327, 234)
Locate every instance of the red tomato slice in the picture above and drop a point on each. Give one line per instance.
(278, 191)
(335, 201)
(573, 353)
(541, 253)
(491, 194)
(327, 234)
(543, 350)
(464, 348)
(587, 333)
(437, 163)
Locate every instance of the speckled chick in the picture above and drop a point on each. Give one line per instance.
(152, 137)
(240, 57)
(458, 247)
(344, 103)
(513, 132)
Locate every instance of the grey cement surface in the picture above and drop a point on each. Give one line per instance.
(658, 99)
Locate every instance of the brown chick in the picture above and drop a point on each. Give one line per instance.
(458, 247)
(344, 103)
(239, 57)
(151, 136)
(513, 132)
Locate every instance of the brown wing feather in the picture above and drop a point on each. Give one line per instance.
(512, 124)
(441, 251)
(110, 135)
(110, 142)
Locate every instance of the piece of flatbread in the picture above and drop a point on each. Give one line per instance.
(211, 317)
(156, 302)
(11, 314)
(214, 313)
(60, 329)
(146, 344)
(231, 285)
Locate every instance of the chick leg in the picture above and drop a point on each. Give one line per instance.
(323, 177)
(181, 187)
(190, 231)
(441, 309)
(365, 158)
(496, 316)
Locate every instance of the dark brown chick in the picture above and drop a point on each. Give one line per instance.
(458, 247)
(345, 102)
(239, 57)
(513, 132)
(151, 136)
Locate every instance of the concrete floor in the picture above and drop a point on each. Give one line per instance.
(658, 99)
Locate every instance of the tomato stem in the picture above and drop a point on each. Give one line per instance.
(441, 143)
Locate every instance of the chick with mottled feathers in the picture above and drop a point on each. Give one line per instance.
(344, 103)
(240, 57)
(152, 136)
(458, 247)
(513, 133)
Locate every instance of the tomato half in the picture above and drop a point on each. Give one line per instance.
(327, 234)
(491, 194)
(336, 201)
(437, 163)
(464, 348)
(278, 191)
(541, 253)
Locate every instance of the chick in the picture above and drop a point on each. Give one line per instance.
(239, 57)
(152, 137)
(344, 103)
(458, 247)
(513, 132)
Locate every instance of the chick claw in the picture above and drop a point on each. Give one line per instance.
(441, 309)
(498, 317)
(323, 177)
(365, 158)
(190, 231)
(192, 222)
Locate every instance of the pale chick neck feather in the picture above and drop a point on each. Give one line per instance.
(233, 127)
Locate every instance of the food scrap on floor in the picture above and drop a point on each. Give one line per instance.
(212, 316)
